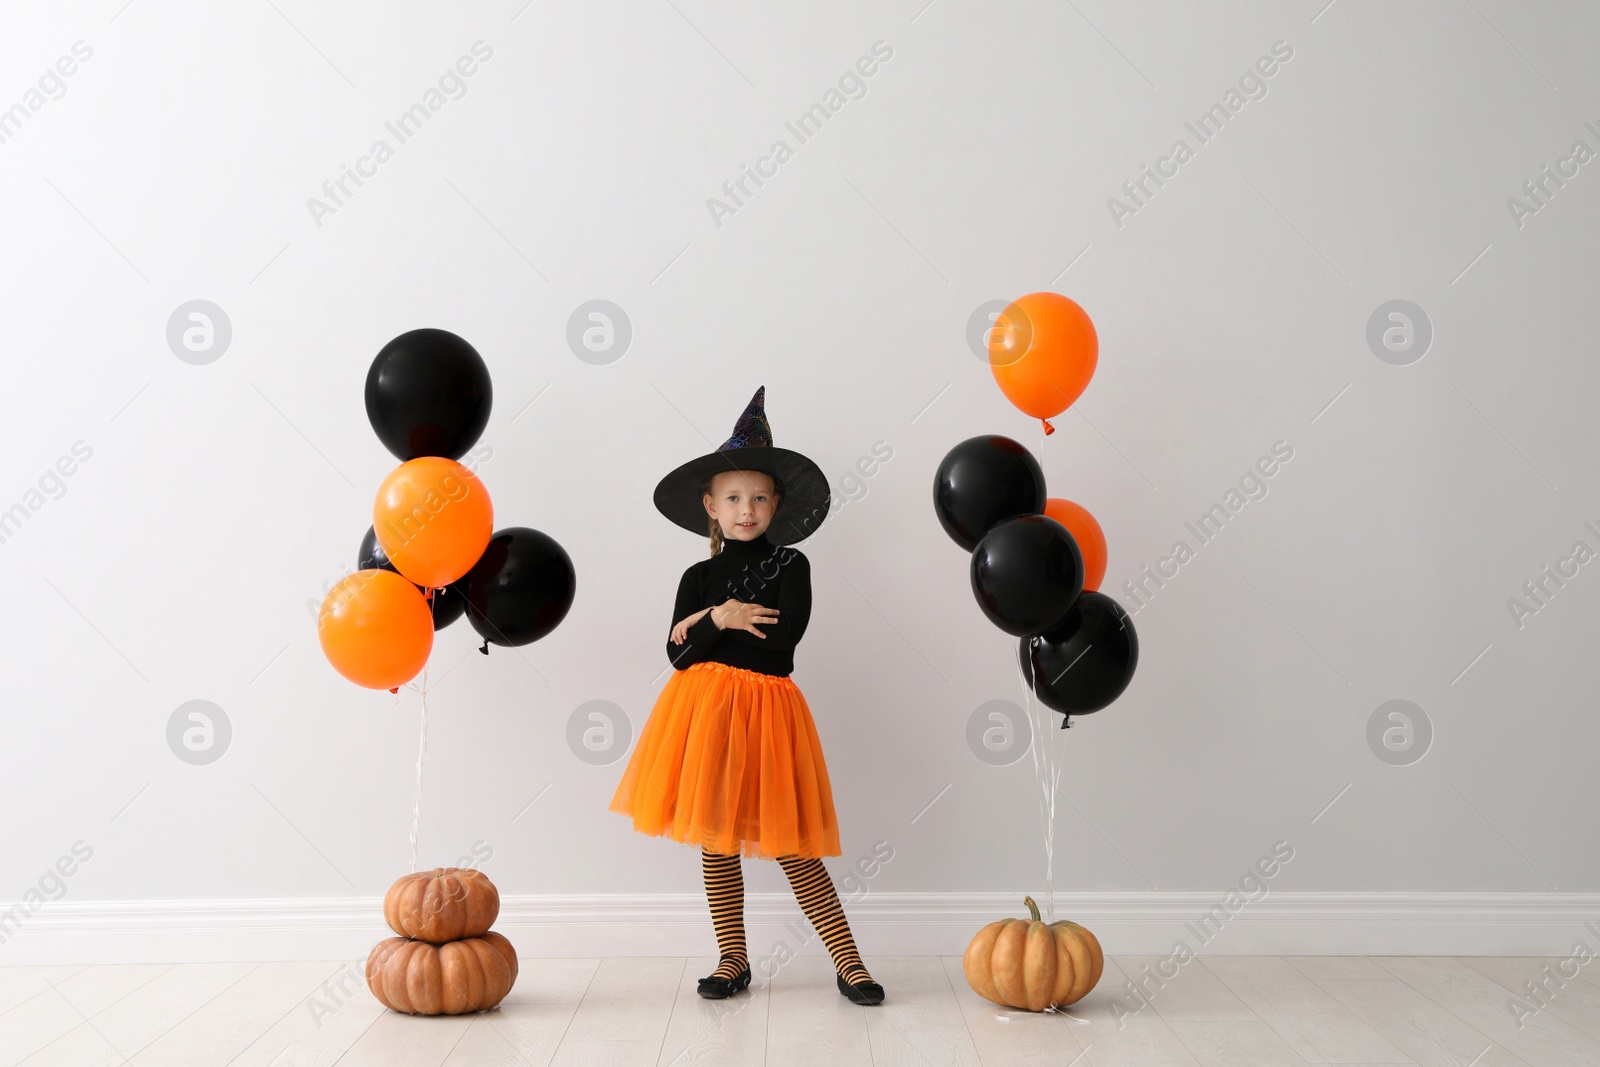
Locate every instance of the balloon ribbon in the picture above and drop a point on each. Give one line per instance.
(1047, 774)
(422, 753)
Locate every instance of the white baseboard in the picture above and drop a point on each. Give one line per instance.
(897, 924)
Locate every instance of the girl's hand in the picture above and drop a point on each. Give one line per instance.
(680, 632)
(737, 615)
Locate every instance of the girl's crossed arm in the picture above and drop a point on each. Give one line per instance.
(695, 633)
(681, 630)
(793, 614)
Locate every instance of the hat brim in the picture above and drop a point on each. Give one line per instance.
(806, 497)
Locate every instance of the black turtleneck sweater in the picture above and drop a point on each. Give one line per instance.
(755, 572)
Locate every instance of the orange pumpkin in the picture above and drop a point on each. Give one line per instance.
(1025, 963)
(473, 974)
(444, 904)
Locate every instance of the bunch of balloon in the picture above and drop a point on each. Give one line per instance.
(1037, 562)
(1036, 567)
(432, 554)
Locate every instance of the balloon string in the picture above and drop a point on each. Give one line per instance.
(422, 752)
(1047, 776)
(1046, 771)
(422, 747)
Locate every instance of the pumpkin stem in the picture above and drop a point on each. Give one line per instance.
(1033, 909)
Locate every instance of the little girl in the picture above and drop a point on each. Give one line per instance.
(730, 759)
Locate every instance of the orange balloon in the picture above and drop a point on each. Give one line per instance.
(376, 629)
(433, 518)
(1043, 351)
(1084, 530)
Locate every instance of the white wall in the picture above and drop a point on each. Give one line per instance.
(1232, 310)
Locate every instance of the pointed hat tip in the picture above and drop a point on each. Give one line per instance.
(752, 428)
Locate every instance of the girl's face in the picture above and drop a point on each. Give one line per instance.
(742, 502)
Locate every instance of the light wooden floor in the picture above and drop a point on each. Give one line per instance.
(1221, 1010)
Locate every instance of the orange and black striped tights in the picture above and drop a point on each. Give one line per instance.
(812, 888)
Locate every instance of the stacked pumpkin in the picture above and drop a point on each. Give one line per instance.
(446, 960)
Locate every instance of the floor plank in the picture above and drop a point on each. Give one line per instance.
(1123, 1031)
(1227, 1042)
(1187, 990)
(528, 1027)
(1303, 1014)
(34, 1024)
(397, 1040)
(204, 1039)
(728, 1031)
(329, 1018)
(1343, 968)
(94, 989)
(1215, 1011)
(917, 995)
(81, 1046)
(21, 984)
(1484, 1004)
(1425, 1032)
(808, 1022)
(1004, 1035)
(145, 1014)
(1572, 1000)
(628, 1000)
(516, 1035)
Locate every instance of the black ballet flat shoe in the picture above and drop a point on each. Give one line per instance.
(863, 992)
(715, 987)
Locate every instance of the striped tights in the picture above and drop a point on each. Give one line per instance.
(812, 888)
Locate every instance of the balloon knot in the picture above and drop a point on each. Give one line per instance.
(1048, 429)
(485, 648)
(1066, 721)
(396, 689)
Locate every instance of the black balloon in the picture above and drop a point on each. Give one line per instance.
(520, 588)
(428, 394)
(983, 480)
(1086, 661)
(1026, 573)
(447, 606)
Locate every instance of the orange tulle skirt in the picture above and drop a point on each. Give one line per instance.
(730, 760)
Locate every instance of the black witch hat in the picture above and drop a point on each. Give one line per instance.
(805, 499)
